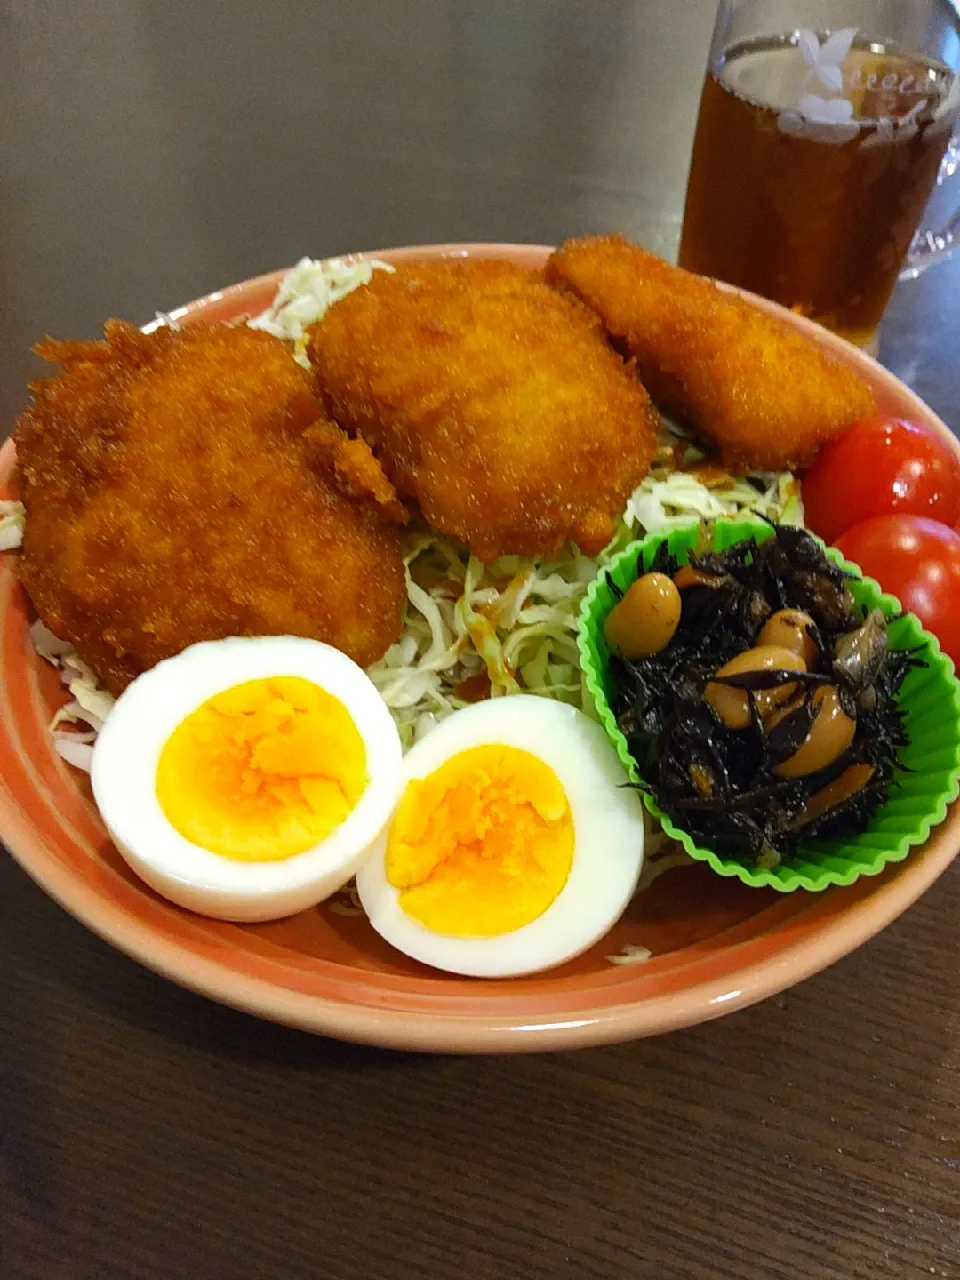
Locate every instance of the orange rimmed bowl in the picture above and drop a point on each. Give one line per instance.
(717, 944)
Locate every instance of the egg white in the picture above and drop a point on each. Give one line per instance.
(608, 840)
(128, 750)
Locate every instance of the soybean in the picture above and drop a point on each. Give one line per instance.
(733, 705)
(830, 734)
(790, 628)
(646, 619)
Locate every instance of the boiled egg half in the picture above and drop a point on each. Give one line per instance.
(247, 778)
(515, 844)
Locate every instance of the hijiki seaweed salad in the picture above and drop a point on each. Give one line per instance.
(759, 702)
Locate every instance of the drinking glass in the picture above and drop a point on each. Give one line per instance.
(824, 127)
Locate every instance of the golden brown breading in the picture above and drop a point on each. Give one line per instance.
(490, 399)
(767, 395)
(171, 497)
(352, 464)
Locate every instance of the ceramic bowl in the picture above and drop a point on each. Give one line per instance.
(716, 944)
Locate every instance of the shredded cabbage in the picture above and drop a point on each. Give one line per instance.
(12, 516)
(345, 902)
(75, 726)
(663, 502)
(684, 483)
(631, 953)
(305, 294)
(473, 631)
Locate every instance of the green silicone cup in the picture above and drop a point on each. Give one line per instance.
(930, 698)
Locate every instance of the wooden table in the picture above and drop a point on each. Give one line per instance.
(155, 150)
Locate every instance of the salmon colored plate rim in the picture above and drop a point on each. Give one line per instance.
(834, 923)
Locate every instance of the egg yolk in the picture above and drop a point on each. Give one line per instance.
(483, 845)
(262, 771)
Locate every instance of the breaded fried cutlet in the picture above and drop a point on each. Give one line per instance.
(767, 395)
(184, 486)
(491, 401)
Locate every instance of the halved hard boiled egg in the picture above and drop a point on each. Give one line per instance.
(247, 778)
(515, 844)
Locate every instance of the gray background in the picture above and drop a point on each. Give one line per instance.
(153, 151)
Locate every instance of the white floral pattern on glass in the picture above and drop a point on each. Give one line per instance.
(945, 116)
(816, 116)
(824, 60)
(901, 130)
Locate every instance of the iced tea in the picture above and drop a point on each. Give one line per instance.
(808, 196)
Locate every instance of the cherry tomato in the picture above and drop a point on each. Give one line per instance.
(881, 466)
(918, 561)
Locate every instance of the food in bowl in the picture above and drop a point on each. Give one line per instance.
(184, 485)
(769, 715)
(759, 688)
(765, 394)
(248, 778)
(515, 845)
(495, 404)
(473, 628)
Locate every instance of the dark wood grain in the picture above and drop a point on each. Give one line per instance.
(147, 1132)
(152, 151)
